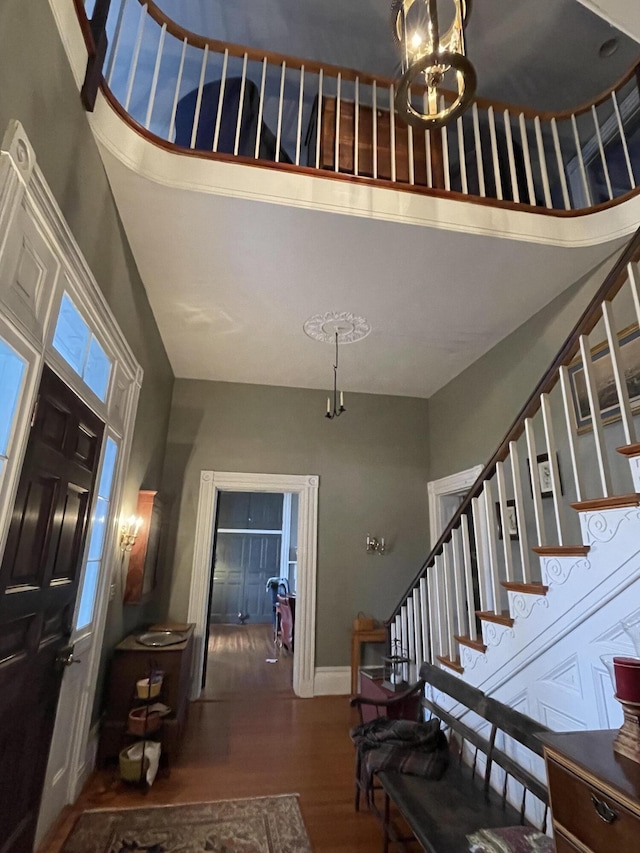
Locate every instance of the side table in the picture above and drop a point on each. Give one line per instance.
(375, 635)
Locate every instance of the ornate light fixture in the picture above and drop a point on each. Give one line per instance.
(129, 533)
(431, 38)
(338, 328)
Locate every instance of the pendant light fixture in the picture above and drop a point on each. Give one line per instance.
(336, 327)
(438, 81)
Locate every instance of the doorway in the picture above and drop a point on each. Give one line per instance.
(39, 577)
(212, 483)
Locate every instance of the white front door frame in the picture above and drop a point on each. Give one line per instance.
(306, 487)
(454, 484)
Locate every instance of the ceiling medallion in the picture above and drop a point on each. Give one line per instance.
(347, 326)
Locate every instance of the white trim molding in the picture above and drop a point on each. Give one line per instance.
(454, 484)
(332, 681)
(306, 487)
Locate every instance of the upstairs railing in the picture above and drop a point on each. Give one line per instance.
(569, 448)
(223, 100)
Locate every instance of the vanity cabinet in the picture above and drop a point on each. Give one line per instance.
(131, 662)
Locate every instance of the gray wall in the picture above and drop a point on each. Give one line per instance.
(373, 468)
(470, 416)
(38, 89)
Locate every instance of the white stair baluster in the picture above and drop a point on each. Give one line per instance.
(618, 373)
(535, 482)
(556, 487)
(492, 547)
(468, 577)
(462, 160)
(483, 574)
(504, 521)
(494, 152)
(196, 115)
(560, 162)
(527, 159)
(447, 571)
(243, 84)
(417, 629)
(542, 163)
(572, 430)
(623, 139)
(433, 612)
(521, 520)
(478, 144)
(596, 417)
(603, 159)
(424, 618)
(283, 74)
(458, 579)
(136, 55)
(515, 189)
(300, 107)
(176, 94)
(154, 82)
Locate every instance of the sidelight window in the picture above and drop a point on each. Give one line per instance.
(12, 372)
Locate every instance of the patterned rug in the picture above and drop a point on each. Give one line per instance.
(258, 825)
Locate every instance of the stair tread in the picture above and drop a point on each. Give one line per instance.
(534, 588)
(608, 503)
(452, 664)
(478, 645)
(561, 550)
(629, 450)
(503, 618)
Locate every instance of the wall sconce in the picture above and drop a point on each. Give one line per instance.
(129, 532)
(375, 545)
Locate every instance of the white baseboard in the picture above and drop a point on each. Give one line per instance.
(332, 681)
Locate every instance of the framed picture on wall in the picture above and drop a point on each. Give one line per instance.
(629, 340)
(543, 469)
(511, 519)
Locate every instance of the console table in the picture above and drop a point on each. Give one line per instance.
(595, 793)
(375, 635)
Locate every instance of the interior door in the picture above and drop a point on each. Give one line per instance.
(38, 584)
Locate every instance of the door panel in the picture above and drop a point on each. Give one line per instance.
(243, 563)
(38, 585)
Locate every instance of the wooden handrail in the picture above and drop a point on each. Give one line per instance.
(365, 78)
(587, 321)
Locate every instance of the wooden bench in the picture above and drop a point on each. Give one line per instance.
(440, 814)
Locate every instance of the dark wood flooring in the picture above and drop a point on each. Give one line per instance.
(251, 736)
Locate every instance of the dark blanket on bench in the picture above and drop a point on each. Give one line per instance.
(420, 749)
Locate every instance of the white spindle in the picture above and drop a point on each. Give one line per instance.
(521, 520)
(392, 133)
(476, 512)
(283, 74)
(433, 612)
(494, 152)
(623, 139)
(515, 189)
(374, 129)
(417, 629)
(572, 431)
(356, 128)
(527, 159)
(560, 162)
(196, 114)
(441, 607)
(411, 640)
(535, 481)
(492, 547)
(243, 83)
(462, 157)
(113, 55)
(596, 417)
(478, 145)
(619, 375)
(176, 94)
(543, 163)
(556, 488)
(223, 85)
(634, 284)
(583, 171)
(404, 646)
(445, 153)
(136, 55)
(412, 165)
(427, 151)
(395, 635)
(504, 521)
(468, 577)
(156, 72)
(300, 107)
(605, 168)
(458, 582)
(449, 601)
(424, 618)
(319, 119)
(336, 141)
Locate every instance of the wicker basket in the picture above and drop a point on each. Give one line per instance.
(149, 688)
(143, 721)
(133, 769)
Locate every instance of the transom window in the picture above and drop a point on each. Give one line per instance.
(80, 348)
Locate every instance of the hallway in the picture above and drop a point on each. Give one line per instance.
(251, 736)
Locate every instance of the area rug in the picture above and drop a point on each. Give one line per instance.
(258, 825)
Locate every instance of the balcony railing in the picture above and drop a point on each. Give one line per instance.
(221, 100)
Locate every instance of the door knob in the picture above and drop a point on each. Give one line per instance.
(65, 658)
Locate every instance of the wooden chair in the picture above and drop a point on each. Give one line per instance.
(406, 705)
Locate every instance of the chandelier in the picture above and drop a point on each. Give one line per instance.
(431, 38)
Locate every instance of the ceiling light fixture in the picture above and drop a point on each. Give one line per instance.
(431, 38)
(336, 328)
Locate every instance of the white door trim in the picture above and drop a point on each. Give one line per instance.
(306, 486)
(454, 484)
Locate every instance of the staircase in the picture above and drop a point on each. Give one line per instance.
(526, 587)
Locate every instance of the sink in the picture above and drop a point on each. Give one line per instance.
(157, 639)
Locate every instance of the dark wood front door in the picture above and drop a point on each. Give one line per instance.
(38, 586)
